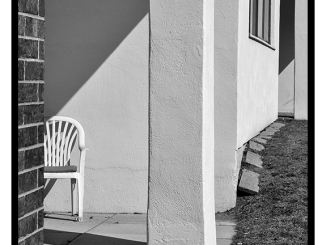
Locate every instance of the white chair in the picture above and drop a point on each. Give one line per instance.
(60, 136)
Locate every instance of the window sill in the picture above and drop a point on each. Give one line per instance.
(262, 42)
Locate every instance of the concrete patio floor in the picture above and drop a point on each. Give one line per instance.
(113, 229)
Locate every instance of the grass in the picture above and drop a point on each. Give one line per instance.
(278, 214)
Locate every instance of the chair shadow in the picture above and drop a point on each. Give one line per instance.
(59, 216)
(56, 237)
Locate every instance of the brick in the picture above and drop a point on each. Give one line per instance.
(27, 181)
(34, 71)
(256, 146)
(33, 113)
(27, 92)
(249, 182)
(34, 27)
(34, 157)
(41, 29)
(27, 48)
(21, 207)
(254, 159)
(40, 177)
(27, 225)
(21, 161)
(41, 92)
(21, 25)
(34, 201)
(27, 137)
(21, 70)
(41, 50)
(20, 115)
(40, 219)
(40, 134)
(36, 239)
(28, 6)
(41, 8)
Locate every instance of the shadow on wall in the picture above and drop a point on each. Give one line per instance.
(286, 55)
(80, 36)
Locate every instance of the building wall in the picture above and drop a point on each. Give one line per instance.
(97, 73)
(301, 59)
(286, 58)
(30, 120)
(226, 69)
(257, 77)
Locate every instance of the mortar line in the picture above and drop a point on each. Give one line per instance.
(31, 38)
(30, 213)
(30, 234)
(31, 60)
(30, 125)
(29, 192)
(30, 169)
(32, 81)
(31, 16)
(31, 147)
(31, 103)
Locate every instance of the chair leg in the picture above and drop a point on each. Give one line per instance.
(80, 198)
(73, 196)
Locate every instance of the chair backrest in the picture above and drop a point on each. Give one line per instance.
(60, 136)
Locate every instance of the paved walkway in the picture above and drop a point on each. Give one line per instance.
(113, 229)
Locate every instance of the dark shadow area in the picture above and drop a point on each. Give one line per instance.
(243, 194)
(80, 36)
(286, 33)
(60, 216)
(49, 183)
(55, 237)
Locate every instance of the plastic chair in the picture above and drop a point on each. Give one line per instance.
(59, 139)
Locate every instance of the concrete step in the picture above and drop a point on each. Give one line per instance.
(260, 140)
(256, 146)
(254, 159)
(249, 182)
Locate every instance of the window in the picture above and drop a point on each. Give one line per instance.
(260, 19)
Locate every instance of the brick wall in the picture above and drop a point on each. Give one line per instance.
(30, 121)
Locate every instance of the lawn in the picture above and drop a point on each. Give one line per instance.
(278, 214)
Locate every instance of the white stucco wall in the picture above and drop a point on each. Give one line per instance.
(97, 72)
(301, 59)
(181, 171)
(286, 58)
(257, 77)
(226, 69)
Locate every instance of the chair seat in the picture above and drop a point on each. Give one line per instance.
(60, 169)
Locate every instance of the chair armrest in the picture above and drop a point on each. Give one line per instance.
(82, 159)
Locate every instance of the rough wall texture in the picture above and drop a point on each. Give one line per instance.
(181, 171)
(30, 120)
(226, 69)
(301, 59)
(97, 72)
(257, 77)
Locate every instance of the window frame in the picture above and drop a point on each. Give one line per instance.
(254, 22)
